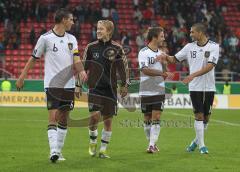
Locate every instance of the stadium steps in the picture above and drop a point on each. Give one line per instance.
(232, 16)
(16, 59)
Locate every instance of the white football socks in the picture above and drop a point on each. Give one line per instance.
(199, 129)
(154, 132)
(106, 136)
(52, 137)
(147, 129)
(93, 136)
(61, 135)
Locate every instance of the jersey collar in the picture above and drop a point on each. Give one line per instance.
(152, 49)
(105, 43)
(203, 44)
(57, 34)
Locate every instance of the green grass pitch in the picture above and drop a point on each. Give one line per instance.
(24, 145)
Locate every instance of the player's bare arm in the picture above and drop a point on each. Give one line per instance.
(78, 86)
(28, 66)
(162, 58)
(80, 78)
(155, 72)
(79, 67)
(165, 69)
(81, 74)
(203, 71)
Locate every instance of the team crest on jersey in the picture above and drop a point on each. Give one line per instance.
(95, 55)
(70, 46)
(207, 54)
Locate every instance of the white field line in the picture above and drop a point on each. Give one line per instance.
(214, 120)
(172, 113)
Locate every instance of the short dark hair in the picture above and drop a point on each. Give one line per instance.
(154, 32)
(200, 27)
(61, 14)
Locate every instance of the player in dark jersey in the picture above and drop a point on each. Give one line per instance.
(104, 58)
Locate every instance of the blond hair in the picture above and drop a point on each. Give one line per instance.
(108, 25)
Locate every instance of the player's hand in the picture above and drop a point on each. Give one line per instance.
(168, 75)
(78, 92)
(161, 58)
(188, 79)
(83, 76)
(123, 91)
(19, 83)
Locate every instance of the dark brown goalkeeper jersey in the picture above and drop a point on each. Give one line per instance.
(105, 61)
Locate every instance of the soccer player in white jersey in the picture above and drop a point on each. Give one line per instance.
(60, 50)
(152, 88)
(202, 56)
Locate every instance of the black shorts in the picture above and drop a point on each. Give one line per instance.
(202, 101)
(60, 98)
(150, 103)
(103, 100)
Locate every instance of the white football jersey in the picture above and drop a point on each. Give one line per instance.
(150, 85)
(58, 53)
(197, 58)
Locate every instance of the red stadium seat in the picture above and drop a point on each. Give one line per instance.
(8, 52)
(29, 46)
(125, 9)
